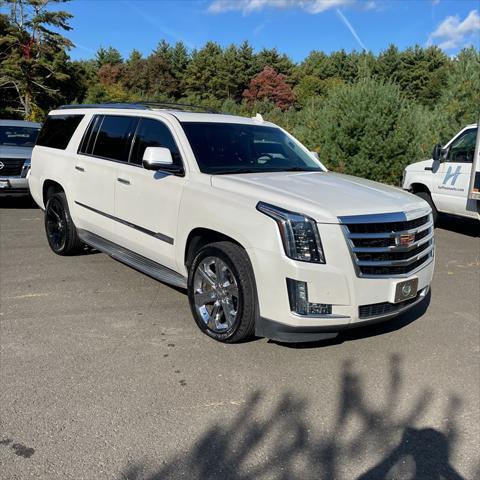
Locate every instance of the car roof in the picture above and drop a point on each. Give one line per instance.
(19, 123)
(179, 113)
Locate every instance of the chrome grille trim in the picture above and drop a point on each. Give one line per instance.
(394, 248)
(392, 234)
(395, 266)
(12, 167)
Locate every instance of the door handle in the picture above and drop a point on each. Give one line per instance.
(79, 168)
(123, 180)
(429, 168)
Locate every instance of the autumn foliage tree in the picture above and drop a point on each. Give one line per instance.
(270, 85)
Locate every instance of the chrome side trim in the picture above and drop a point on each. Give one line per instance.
(134, 260)
(159, 236)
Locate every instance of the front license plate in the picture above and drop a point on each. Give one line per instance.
(406, 290)
(4, 184)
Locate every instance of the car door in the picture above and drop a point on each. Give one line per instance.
(451, 179)
(106, 142)
(146, 201)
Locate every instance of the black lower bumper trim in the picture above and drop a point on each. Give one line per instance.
(285, 333)
(6, 192)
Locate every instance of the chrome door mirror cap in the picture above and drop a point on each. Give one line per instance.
(156, 158)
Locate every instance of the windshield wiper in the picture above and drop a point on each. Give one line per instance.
(264, 170)
(301, 169)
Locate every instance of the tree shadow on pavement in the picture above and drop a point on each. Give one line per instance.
(365, 441)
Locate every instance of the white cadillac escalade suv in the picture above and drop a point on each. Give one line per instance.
(265, 240)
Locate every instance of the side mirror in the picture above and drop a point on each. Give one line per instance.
(156, 158)
(315, 154)
(437, 153)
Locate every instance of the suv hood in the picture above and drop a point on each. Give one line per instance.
(322, 195)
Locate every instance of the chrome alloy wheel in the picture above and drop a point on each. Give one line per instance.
(216, 294)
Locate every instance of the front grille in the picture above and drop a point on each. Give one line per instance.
(388, 226)
(12, 167)
(389, 245)
(384, 308)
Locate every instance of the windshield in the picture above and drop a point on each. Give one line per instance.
(16, 136)
(222, 148)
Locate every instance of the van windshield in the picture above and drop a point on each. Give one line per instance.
(223, 148)
(16, 136)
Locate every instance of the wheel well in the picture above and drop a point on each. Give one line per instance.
(419, 187)
(199, 237)
(49, 188)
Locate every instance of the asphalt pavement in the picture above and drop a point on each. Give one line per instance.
(104, 375)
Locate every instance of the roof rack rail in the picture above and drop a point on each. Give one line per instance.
(176, 105)
(143, 105)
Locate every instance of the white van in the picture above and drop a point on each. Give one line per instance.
(446, 179)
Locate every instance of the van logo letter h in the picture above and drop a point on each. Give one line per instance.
(452, 175)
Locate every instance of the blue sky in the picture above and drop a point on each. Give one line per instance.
(292, 26)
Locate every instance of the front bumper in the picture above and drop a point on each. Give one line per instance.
(335, 283)
(13, 186)
(289, 334)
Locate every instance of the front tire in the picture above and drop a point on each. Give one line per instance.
(222, 293)
(428, 198)
(59, 227)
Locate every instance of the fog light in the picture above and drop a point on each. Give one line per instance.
(298, 297)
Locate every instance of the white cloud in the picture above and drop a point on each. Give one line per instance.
(453, 33)
(248, 6)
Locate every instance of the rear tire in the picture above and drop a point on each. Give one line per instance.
(427, 197)
(59, 227)
(222, 292)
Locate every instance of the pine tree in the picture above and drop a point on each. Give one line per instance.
(108, 56)
(203, 78)
(460, 104)
(160, 73)
(32, 57)
(371, 130)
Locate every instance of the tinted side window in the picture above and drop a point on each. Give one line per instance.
(58, 130)
(114, 137)
(463, 148)
(88, 141)
(152, 133)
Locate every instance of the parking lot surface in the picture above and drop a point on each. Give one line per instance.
(104, 375)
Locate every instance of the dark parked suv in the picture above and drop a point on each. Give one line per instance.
(17, 139)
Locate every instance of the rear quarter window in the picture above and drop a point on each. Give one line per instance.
(58, 130)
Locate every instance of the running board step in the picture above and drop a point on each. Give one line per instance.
(132, 259)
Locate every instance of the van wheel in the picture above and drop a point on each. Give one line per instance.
(427, 197)
(61, 232)
(221, 292)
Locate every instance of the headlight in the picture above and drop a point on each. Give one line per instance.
(299, 233)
